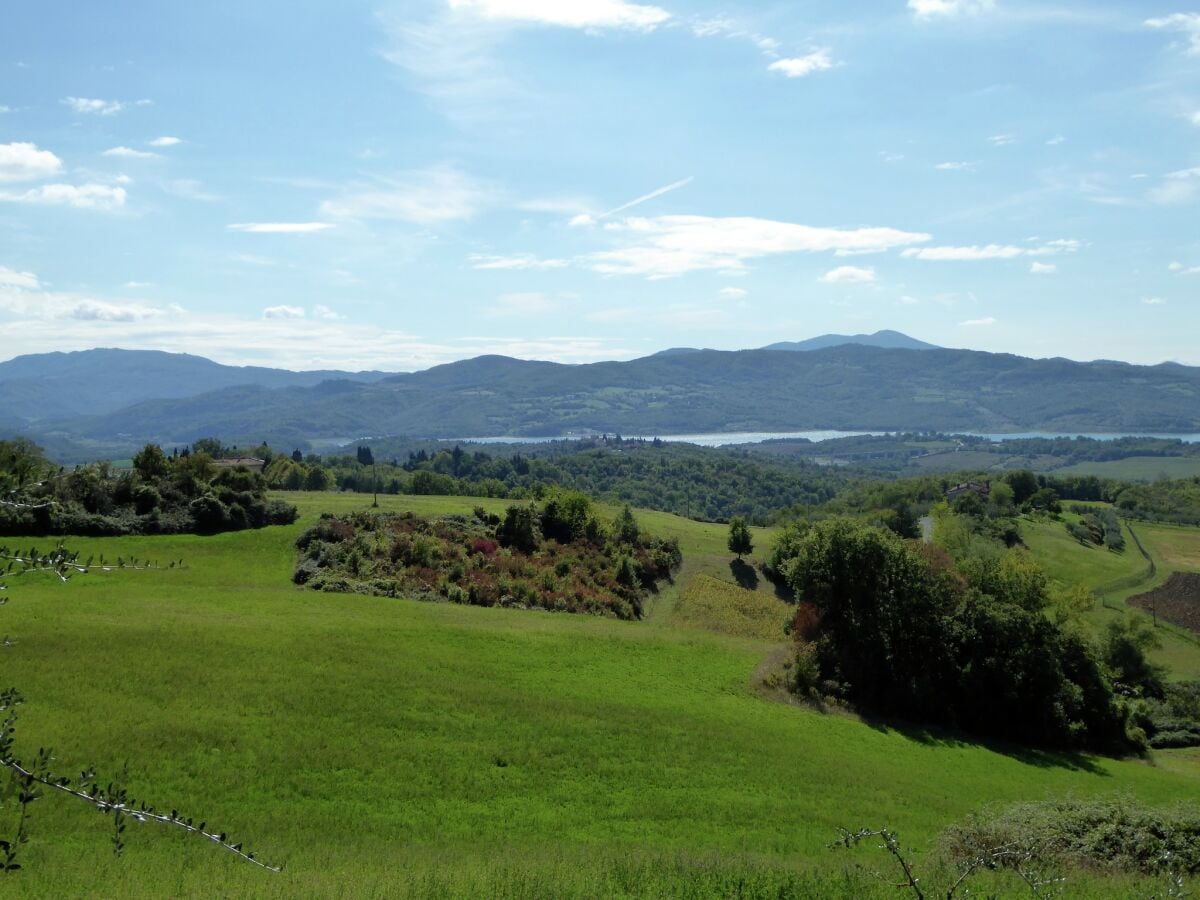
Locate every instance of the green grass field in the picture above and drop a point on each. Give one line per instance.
(1137, 468)
(1119, 576)
(396, 748)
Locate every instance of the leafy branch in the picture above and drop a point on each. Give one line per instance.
(30, 779)
(1011, 855)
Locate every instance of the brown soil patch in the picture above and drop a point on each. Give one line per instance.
(1177, 601)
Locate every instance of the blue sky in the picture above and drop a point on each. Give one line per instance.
(392, 186)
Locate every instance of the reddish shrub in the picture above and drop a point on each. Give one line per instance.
(484, 546)
(806, 624)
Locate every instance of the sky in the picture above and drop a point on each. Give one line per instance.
(375, 185)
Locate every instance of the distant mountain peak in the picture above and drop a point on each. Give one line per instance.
(888, 339)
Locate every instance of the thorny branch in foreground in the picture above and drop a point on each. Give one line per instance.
(29, 780)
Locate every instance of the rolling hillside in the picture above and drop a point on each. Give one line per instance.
(844, 387)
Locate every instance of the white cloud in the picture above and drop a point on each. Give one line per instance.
(1180, 269)
(572, 14)
(798, 66)
(426, 197)
(987, 322)
(1177, 188)
(849, 275)
(130, 153)
(991, 251)
(100, 107)
(137, 285)
(12, 278)
(909, 301)
(25, 162)
(1002, 140)
(99, 311)
(928, 9)
(166, 141)
(955, 167)
(82, 196)
(1195, 117)
(5, 109)
(38, 321)
(1056, 140)
(667, 246)
(1154, 301)
(888, 156)
(733, 293)
(523, 304)
(1188, 23)
(1037, 268)
(519, 262)
(320, 311)
(283, 312)
(280, 227)
(583, 220)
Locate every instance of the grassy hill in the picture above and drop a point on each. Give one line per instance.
(391, 747)
(1117, 576)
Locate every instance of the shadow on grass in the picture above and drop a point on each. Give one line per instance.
(744, 574)
(936, 736)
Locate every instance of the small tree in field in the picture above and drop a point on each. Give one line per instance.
(740, 542)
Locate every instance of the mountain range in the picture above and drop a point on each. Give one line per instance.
(129, 397)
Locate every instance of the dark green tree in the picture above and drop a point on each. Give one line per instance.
(740, 542)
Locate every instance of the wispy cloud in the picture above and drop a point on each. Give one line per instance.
(849, 275)
(986, 322)
(130, 153)
(13, 278)
(990, 251)
(733, 293)
(1154, 301)
(530, 303)
(426, 197)
(89, 106)
(1176, 188)
(166, 141)
(81, 196)
(667, 246)
(1002, 140)
(280, 227)
(25, 162)
(955, 167)
(1037, 268)
(1180, 269)
(283, 312)
(1187, 23)
(930, 9)
(517, 262)
(798, 66)
(594, 14)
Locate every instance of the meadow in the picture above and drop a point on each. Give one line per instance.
(383, 747)
(1117, 576)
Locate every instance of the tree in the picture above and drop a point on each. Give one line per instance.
(297, 456)
(1024, 485)
(151, 463)
(625, 529)
(740, 542)
(365, 456)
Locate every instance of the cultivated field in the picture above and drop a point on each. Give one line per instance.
(389, 747)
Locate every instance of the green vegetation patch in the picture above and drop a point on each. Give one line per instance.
(555, 557)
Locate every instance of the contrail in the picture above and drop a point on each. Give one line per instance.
(650, 196)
